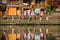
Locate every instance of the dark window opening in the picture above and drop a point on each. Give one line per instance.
(42, 9)
(25, 9)
(17, 8)
(42, 0)
(0, 8)
(27, 1)
(13, 0)
(53, 7)
(38, 1)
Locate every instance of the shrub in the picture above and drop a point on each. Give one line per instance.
(50, 37)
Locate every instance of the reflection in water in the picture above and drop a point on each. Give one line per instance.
(43, 30)
(51, 28)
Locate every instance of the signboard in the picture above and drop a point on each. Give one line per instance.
(12, 36)
(37, 10)
(12, 11)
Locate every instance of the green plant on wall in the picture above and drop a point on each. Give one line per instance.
(48, 9)
(50, 37)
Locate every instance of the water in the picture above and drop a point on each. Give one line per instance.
(51, 28)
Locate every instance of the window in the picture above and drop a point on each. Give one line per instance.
(42, 9)
(38, 1)
(13, 0)
(53, 7)
(42, 0)
(0, 8)
(24, 1)
(27, 1)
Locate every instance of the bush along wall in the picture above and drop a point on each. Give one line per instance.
(50, 37)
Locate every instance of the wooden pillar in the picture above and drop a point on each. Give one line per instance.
(20, 8)
(45, 2)
(33, 1)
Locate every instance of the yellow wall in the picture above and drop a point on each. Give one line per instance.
(12, 36)
(12, 11)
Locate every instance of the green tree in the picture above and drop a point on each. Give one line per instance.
(48, 9)
(50, 37)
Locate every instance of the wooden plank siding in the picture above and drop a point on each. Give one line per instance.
(54, 2)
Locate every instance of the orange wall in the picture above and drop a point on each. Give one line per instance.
(12, 36)
(12, 11)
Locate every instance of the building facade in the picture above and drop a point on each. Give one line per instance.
(54, 2)
(24, 6)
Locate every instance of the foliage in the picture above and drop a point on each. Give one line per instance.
(48, 9)
(50, 37)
